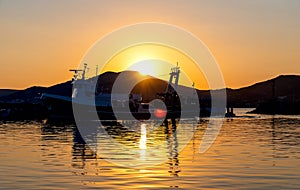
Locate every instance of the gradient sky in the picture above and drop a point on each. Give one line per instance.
(252, 40)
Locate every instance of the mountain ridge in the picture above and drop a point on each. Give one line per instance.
(286, 89)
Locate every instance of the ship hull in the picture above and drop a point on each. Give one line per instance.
(62, 109)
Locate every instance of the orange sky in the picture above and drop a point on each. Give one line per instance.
(251, 40)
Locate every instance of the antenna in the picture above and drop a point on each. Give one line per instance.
(96, 70)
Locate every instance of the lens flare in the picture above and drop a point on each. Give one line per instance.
(160, 113)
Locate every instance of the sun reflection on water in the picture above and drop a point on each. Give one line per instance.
(143, 139)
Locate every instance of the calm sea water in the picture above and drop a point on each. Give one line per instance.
(249, 153)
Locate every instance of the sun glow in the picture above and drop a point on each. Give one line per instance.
(156, 60)
(145, 69)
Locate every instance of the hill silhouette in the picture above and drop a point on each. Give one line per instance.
(286, 90)
(32, 94)
(6, 92)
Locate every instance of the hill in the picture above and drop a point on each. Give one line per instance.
(6, 92)
(284, 89)
(33, 94)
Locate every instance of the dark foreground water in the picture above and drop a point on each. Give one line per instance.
(249, 153)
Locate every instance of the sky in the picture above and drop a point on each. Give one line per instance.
(251, 40)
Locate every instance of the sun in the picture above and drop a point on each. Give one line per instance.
(145, 67)
(156, 60)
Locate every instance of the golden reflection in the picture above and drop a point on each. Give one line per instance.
(171, 137)
(143, 142)
(143, 139)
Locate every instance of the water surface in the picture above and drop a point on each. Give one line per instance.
(249, 153)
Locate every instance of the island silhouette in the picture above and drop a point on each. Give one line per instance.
(280, 95)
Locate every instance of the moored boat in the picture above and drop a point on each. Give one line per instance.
(118, 106)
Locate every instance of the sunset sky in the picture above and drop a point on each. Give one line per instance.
(252, 40)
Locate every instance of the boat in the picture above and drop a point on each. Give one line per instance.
(114, 106)
(60, 107)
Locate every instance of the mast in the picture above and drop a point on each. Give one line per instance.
(84, 70)
(194, 91)
(174, 74)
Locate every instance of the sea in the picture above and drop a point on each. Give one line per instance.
(250, 152)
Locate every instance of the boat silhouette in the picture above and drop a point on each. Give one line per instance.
(120, 106)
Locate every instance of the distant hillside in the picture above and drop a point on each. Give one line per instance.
(6, 92)
(107, 80)
(287, 89)
(32, 94)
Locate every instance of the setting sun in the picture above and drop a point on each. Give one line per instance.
(155, 60)
(145, 68)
